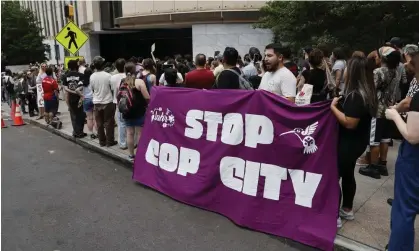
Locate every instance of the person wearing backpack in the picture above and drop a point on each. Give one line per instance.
(231, 77)
(132, 99)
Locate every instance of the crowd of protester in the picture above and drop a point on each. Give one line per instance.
(370, 95)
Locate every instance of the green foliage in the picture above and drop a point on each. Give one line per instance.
(355, 25)
(21, 39)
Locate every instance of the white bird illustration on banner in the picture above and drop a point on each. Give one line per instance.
(308, 141)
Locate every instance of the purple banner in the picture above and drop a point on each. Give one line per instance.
(251, 156)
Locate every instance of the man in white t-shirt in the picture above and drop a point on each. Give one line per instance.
(278, 79)
(104, 108)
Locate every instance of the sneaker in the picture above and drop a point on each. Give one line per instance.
(339, 223)
(93, 136)
(123, 147)
(390, 201)
(382, 170)
(346, 215)
(131, 157)
(371, 171)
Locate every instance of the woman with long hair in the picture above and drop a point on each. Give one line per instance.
(354, 112)
(149, 73)
(134, 120)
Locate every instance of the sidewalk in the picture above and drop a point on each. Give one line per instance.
(369, 230)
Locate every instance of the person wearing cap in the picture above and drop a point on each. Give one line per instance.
(104, 108)
(396, 43)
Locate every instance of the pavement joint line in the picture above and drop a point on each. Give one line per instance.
(341, 242)
(376, 190)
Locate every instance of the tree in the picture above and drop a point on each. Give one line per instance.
(356, 25)
(21, 38)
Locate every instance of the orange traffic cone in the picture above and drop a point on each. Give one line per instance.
(3, 125)
(18, 121)
(13, 110)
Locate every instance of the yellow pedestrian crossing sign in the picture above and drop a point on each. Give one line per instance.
(72, 38)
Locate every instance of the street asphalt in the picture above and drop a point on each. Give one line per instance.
(57, 195)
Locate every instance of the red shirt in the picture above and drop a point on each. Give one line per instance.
(199, 79)
(49, 85)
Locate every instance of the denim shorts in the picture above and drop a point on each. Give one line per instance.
(51, 106)
(139, 122)
(88, 105)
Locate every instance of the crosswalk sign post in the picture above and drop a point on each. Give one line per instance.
(72, 38)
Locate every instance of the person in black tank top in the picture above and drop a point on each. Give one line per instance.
(134, 120)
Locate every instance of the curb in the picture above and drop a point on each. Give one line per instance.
(342, 243)
(80, 142)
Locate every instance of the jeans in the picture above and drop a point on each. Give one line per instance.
(406, 199)
(77, 119)
(105, 121)
(122, 132)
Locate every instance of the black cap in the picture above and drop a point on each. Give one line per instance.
(396, 41)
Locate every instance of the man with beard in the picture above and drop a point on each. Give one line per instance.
(278, 79)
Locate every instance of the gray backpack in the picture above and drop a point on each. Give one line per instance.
(243, 83)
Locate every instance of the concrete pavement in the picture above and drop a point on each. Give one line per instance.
(369, 230)
(57, 195)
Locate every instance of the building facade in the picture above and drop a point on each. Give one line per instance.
(209, 25)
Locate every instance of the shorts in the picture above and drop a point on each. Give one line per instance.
(88, 105)
(380, 131)
(51, 106)
(138, 122)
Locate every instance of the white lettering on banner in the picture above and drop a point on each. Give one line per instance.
(230, 168)
(259, 130)
(196, 129)
(213, 119)
(243, 176)
(169, 158)
(304, 188)
(273, 177)
(256, 129)
(251, 178)
(232, 133)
